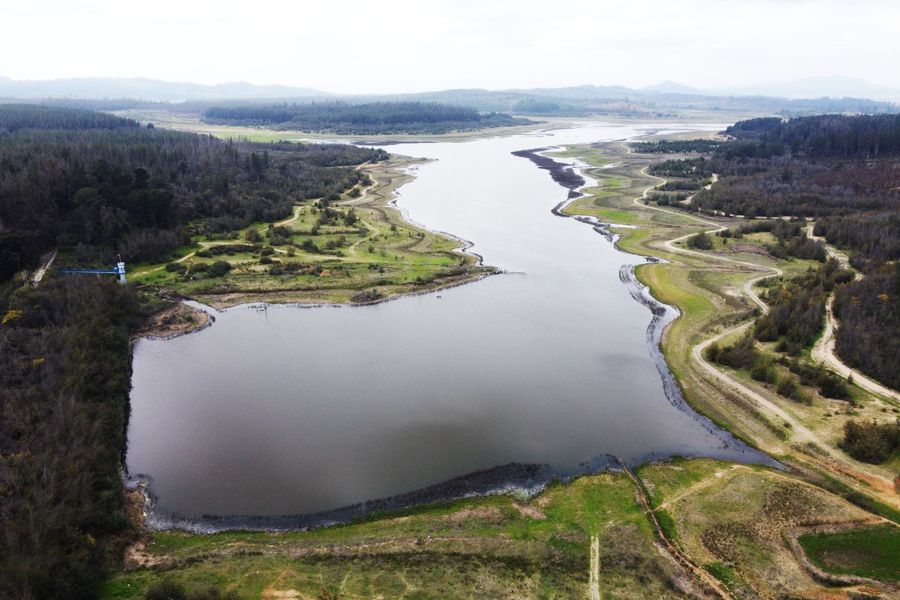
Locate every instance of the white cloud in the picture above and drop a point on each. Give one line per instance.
(401, 45)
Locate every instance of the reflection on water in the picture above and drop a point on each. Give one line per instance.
(293, 410)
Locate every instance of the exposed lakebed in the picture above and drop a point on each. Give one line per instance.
(294, 411)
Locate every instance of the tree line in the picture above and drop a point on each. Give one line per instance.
(361, 119)
(143, 192)
(826, 136)
(837, 169)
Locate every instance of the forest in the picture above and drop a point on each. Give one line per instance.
(95, 185)
(869, 312)
(362, 119)
(843, 172)
(65, 369)
(101, 184)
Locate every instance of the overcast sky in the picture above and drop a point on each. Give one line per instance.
(400, 46)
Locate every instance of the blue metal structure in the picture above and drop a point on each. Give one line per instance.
(119, 270)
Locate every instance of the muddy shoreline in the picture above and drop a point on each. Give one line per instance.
(513, 478)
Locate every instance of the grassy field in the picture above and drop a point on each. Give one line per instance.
(728, 520)
(498, 547)
(365, 251)
(869, 552)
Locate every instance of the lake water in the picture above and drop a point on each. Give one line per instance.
(299, 410)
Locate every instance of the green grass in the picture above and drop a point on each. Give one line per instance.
(667, 524)
(379, 251)
(871, 552)
(591, 154)
(723, 573)
(494, 546)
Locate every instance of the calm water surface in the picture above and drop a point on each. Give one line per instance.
(298, 410)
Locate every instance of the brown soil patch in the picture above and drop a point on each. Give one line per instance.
(528, 510)
(137, 557)
(174, 321)
(487, 513)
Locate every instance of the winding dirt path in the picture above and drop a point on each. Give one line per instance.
(799, 431)
(669, 546)
(823, 350)
(594, 576)
(832, 459)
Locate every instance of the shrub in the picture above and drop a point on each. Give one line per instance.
(219, 268)
(764, 370)
(701, 241)
(871, 442)
(169, 590)
(741, 355)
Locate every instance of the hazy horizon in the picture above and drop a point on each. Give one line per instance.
(405, 47)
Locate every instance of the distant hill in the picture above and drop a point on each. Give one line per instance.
(672, 87)
(666, 99)
(818, 87)
(145, 89)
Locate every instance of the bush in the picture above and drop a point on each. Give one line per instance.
(764, 370)
(169, 590)
(701, 241)
(741, 355)
(871, 442)
(219, 268)
(165, 590)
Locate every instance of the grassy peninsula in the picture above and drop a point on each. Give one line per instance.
(357, 247)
